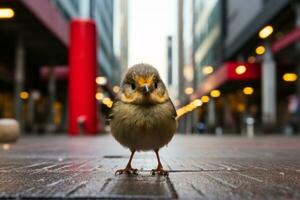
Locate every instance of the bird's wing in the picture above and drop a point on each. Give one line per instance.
(174, 110)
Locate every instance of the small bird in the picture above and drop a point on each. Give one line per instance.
(143, 117)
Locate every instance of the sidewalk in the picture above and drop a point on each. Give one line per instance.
(200, 167)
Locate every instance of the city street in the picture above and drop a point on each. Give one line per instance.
(73, 71)
(201, 167)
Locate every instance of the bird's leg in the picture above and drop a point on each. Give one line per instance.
(128, 169)
(159, 170)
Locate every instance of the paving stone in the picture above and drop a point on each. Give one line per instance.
(200, 167)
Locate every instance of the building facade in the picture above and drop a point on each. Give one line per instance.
(203, 33)
(102, 12)
(121, 34)
(35, 34)
(33, 75)
(207, 36)
(256, 36)
(246, 66)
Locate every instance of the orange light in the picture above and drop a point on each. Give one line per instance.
(260, 50)
(240, 107)
(99, 96)
(108, 102)
(215, 93)
(24, 95)
(290, 77)
(205, 99)
(248, 90)
(180, 112)
(189, 107)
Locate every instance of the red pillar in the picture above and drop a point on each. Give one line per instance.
(82, 85)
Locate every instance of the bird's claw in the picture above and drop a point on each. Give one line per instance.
(160, 171)
(127, 170)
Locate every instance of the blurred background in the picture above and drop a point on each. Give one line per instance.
(231, 66)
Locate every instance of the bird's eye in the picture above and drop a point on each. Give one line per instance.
(155, 85)
(132, 86)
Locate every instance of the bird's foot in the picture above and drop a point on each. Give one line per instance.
(160, 171)
(127, 170)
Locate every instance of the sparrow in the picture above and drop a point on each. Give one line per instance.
(143, 117)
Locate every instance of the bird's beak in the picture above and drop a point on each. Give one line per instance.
(146, 89)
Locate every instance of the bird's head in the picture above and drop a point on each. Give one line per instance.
(143, 85)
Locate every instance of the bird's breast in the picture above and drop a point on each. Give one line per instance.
(143, 127)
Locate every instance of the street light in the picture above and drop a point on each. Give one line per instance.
(189, 107)
(99, 96)
(265, 32)
(248, 90)
(215, 93)
(197, 103)
(6, 13)
(241, 107)
(24, 95)
(189, 90)
(241, 69)
(101, 80)
(290, 77)
(116, 89)
(205, 99)
(260, 50)
(207, 70)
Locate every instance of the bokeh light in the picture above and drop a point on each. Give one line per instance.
(265, 32)
(24, 95)
(248, 90)
(251, 59)
(205, 99)
(101, 80)
(99, 96)
(197, 102)
(241, 69)
(290, 77)
(215, 93)
(260, 50)
(207, 70)
(189, 90)
(6, 13)
(116, 89)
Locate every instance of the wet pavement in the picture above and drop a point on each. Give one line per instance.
(201, 167)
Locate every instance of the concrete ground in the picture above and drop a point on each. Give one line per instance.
(201, 167)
